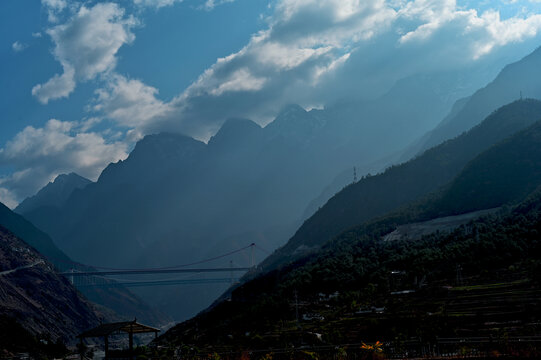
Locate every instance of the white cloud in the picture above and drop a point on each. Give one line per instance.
(36, 34)
(502, 32)
(18, 47)
(156, 3)
(285, 57)
(86, 46)
(317, 51)
(478, 34)
(130, 102)
(207, 5)
(324, 70)
(240, 80)
(305, 42)
(58, 86)
(6, 196)
(40, 154)
(211, 4)
(313, 51)
(54, 8)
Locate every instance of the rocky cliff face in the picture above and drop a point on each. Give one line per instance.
(41, 301)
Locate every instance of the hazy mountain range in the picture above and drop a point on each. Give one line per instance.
(270, 179)
(374, 196)
(175, 199)
(517, 80)
(359, 268)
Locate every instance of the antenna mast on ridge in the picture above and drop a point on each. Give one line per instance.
(354, 174)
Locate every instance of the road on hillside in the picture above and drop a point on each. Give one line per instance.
(21, 268)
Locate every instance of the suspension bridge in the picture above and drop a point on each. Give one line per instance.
(82, 275)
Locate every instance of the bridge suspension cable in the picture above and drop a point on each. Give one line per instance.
(100, 276)
(141, 283)
(152, 271)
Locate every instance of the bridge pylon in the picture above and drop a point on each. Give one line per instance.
(252, 262)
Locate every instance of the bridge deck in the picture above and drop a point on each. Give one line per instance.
(153, 271)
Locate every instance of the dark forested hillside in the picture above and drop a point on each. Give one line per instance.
(376, 195)
(478, 278)
(481, 279)
(505, 173)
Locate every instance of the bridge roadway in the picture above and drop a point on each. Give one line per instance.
(154, 271)
(96, 276)
(112, 284)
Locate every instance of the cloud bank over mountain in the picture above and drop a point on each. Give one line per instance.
(316, 52)
(310, 52)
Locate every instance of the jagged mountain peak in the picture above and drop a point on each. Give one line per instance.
(166, 147)
(161, 150)
(235, 130)
(163, 143)
(71, 177)
(294, 121)
(291, 109)
(238, 123)
(54, 193)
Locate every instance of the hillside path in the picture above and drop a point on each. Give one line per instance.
(21, 268)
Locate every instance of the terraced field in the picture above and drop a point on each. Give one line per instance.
(503, 317)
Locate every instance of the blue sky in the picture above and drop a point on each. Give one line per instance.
(173, 46)
(83, 80)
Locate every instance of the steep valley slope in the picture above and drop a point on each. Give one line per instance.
(374, 196)
(176, 199)
(118, 303)
(515, 81)
(480, 279)
(34, 297)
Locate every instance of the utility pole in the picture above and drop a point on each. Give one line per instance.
(458, 275)
(231, 272)
(520, 94)
(252, 263)
(297, 309)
